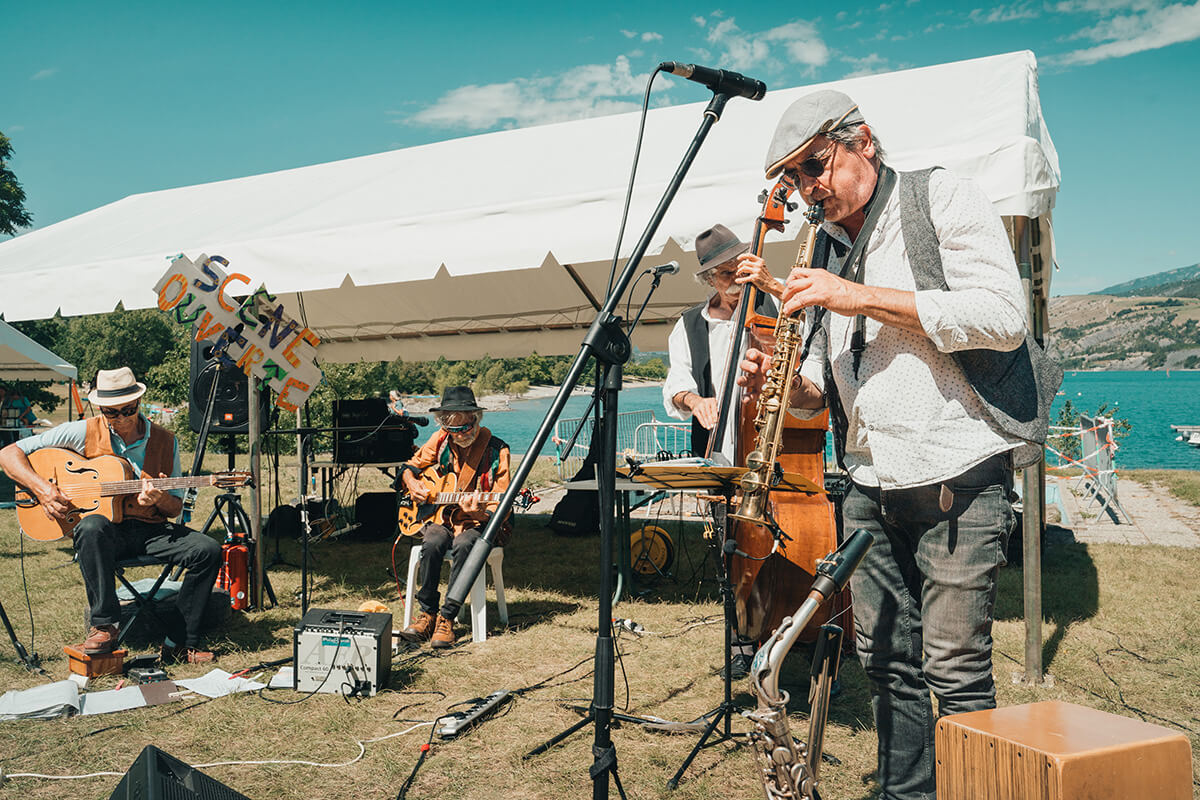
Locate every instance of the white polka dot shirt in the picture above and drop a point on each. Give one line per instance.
(913, 419)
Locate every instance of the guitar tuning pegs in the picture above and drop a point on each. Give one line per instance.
(792, 206)
(762, 196)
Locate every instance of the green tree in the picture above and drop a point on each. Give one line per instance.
(12, 197)
(139, 339)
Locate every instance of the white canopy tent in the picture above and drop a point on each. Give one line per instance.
(23, 359)
(500, 244)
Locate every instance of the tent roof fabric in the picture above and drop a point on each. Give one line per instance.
(23, 359)
(425, 245)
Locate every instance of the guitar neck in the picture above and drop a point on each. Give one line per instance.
(449, 498)
(112, 488)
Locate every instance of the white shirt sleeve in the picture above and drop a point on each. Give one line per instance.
(985, 306)
(679, 376)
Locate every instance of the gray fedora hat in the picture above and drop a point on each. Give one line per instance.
(717, 245)
(806, 119)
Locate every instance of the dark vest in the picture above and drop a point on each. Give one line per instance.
(696, 328)
(159, 460)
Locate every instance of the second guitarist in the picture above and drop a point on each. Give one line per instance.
(480, 462)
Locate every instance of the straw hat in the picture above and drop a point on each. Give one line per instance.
(116, 387)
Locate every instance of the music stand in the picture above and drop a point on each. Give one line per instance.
(696, 474)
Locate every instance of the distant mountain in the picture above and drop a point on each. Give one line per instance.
(1182, 282)
(1114, 332)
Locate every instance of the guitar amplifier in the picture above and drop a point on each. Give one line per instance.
(336, 652)
(1059, 751)
(377, 435)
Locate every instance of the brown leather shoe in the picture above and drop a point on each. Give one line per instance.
(100, 639)
(186, 655)
(443, 633)
(420, 629)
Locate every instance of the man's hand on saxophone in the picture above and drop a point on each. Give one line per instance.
(754, 366)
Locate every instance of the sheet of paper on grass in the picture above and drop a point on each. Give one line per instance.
(284, 679)
(219, 683)
(112, 700)
(41, 702)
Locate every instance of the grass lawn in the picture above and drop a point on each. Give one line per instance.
(1118, 632)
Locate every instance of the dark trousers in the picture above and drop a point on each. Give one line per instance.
(100, 544)
(438, 541)
(924, 600)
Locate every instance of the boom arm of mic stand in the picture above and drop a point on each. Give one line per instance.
(476, 559)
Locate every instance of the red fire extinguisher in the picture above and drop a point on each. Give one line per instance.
(234, 576)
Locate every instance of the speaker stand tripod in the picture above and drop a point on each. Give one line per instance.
(32, 663)
(227, 507)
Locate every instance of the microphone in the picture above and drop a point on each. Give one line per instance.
(669, 268)
(720, 81)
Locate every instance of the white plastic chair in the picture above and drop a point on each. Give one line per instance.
(477, 599)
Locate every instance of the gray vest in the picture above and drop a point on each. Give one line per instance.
(1016, 387)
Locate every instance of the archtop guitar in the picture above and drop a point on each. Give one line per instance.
(94, 486)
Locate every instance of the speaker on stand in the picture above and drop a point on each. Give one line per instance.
(230, 413)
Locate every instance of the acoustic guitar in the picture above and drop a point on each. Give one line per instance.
(93, 486)
(442, 491)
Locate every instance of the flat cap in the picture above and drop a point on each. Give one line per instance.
(804, 120)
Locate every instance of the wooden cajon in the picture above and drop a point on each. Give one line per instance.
(1059, 751)
(93, 666)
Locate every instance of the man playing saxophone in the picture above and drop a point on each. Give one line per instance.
(931, 468)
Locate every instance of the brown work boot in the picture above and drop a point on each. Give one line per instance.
(420, 629)
(100, 639)
(443, 634)
(186, 655)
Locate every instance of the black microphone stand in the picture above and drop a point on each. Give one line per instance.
(609, 345)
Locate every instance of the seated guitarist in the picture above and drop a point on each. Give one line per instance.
(146, 528)
(479, 461)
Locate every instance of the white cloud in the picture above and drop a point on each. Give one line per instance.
(1136, 32)
(996, 14)
(701, 21)
(650, 36)
(42, 74)
(866, 65)
(628, 34)
(796, 42)
(590, 90)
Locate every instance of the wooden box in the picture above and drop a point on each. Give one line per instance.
(92, 666)
(1059, 751)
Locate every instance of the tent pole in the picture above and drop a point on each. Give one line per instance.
(1033, 477)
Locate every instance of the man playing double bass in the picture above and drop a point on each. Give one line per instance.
(930, 462)
(699, 350)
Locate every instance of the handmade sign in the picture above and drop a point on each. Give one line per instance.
(255, 335)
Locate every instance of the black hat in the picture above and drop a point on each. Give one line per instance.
(717, 245)
(458, 398)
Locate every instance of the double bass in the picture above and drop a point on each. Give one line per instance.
(774, 576)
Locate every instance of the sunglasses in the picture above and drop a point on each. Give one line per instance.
(815, 165)
(466, 426)
(123, 411)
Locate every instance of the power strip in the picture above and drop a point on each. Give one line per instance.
(451, 725)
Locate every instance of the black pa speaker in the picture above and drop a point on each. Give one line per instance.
(380, 436)
(230, 413)
(375, 512)
(158, 776)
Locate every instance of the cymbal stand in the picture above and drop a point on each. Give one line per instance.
(723, 713)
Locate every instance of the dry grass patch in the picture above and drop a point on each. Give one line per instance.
(1118, 623)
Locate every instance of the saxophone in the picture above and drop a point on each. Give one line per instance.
(789, 769)
(761, 463)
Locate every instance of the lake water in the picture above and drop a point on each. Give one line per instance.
(1151, 401)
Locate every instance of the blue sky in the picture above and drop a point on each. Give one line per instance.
(103, 100)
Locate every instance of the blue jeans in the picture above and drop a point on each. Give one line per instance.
(924, 598)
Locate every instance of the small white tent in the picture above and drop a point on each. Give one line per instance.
(499, 244)
(23, 359)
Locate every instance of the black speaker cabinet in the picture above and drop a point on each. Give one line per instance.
(376, 513)
(380, 436)
(158, 776)
(230, 412)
